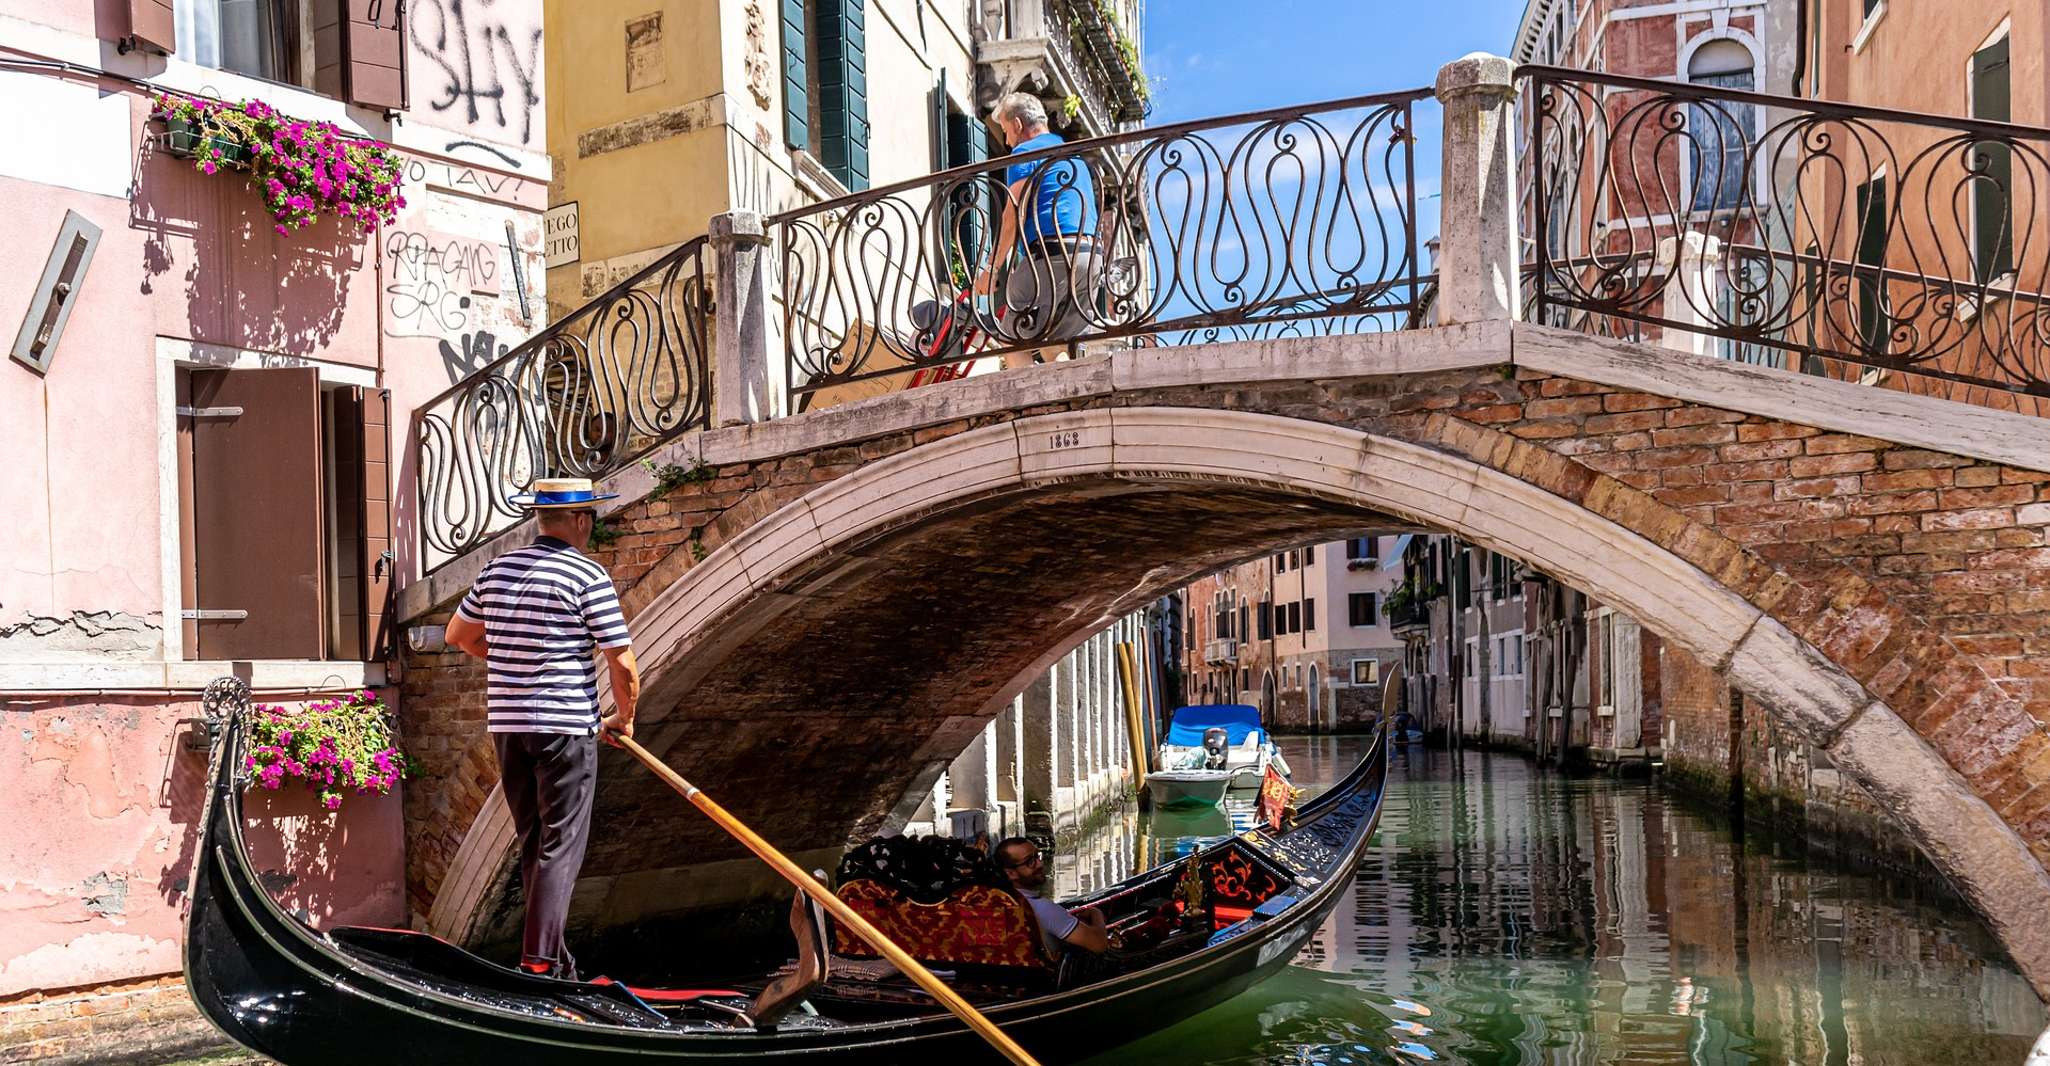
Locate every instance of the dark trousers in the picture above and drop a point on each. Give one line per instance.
(549, 779)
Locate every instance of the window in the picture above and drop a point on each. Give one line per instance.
(1281, 562)
(1243, 620)
(1366, 671)
(305, 576)
(1295, 617)
(1992, 218)
(825, 85)
(962, 140)
(1872, 225)
(1266, 620)
(1362, 548)
(1360, 608)
(1245, 679)
(1719, 132)
(1310, 615)
(1310, 555)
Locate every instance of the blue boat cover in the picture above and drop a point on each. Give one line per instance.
(1238, 719)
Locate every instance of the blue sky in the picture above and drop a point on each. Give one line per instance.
(1218, 57)
(1214, 57)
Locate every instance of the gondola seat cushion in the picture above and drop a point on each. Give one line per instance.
(975, 925)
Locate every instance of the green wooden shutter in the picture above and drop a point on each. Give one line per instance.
(968, 142)
(796, 82)
(1993, 223)
(843, 91)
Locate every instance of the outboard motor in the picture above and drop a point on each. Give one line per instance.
(1216, 747)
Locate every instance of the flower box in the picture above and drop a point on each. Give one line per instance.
(300, 169)
(185, 139)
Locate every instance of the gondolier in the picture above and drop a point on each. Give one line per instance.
(539, 617)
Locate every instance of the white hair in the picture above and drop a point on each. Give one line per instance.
(1024, 107)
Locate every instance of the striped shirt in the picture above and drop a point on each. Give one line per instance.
(544, 608)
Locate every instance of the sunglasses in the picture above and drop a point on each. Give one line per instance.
(1030, 860)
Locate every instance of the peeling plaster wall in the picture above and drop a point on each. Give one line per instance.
(82, 635)
(98, 831)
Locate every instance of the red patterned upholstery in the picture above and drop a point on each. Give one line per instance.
(1238, 882)
(974, 926)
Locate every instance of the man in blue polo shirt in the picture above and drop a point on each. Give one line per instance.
(1049, 215)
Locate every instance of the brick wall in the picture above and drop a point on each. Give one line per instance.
(1924, 576)
(137, 1023)
(1783, 780)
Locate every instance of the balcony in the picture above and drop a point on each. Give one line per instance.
(1225, 650)
(1061, 50)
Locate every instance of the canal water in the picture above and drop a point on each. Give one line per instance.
(1505, 915)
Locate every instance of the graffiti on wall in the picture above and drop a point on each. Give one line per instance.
(429, 279)
(480, 65)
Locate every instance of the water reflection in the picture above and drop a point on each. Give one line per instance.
(1505, 915)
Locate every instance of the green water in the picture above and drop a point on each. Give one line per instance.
(1507, 915)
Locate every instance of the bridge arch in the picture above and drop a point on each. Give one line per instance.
(738, 617)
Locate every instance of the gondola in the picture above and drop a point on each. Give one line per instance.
(311, 998)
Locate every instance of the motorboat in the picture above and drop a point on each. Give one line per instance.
(1221, 736)
(1185, 936)
(1188, 788)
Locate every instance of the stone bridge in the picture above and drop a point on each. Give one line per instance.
(831, 617)
(845, 596)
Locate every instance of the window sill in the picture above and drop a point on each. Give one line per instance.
(263, 675)
(1865, 32)
(813, 179)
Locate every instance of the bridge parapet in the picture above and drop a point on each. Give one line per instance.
(1708, 220)
(1882, 246)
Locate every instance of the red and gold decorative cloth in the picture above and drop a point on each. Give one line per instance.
(1237, 881)
(976, 925)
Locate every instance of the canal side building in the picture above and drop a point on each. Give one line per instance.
(1304, 634)
(666, 116)
(201, 413)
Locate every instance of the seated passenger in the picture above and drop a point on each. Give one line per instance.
(1019, 859)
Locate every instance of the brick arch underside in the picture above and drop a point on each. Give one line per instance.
(858, 637)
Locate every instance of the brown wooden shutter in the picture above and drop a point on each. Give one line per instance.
(376, 552)
(373, 52)
(152, 23)
(258, 528)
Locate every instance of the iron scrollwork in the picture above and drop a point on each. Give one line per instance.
(1299, 220)
(583, 398)
(1855, 242)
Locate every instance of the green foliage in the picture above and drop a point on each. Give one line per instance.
(331, 745)
(672, 476)
(604, 533)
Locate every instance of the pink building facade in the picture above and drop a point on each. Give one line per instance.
(197, 421)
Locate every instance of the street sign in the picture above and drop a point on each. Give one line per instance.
(559, 235)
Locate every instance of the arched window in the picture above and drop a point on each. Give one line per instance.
(1720, 131)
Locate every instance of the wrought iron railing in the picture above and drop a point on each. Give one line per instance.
(582, 398)
(1196, 231)
(1857, 239)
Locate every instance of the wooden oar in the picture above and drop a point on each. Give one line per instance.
(846, 915)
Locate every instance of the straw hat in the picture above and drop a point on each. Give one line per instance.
(552, 493)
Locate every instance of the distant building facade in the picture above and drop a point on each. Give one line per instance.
(1303, 634)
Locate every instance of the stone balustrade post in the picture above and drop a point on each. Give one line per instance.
(1693, 288)
(749, 376)
(1479, 275)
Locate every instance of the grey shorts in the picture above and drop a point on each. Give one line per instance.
(1040, 304)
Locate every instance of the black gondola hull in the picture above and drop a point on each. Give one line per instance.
(288, 992)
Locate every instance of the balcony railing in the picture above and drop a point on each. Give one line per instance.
(582, 398)
(1292, 220)
(1853, 241)
(1221, 650)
